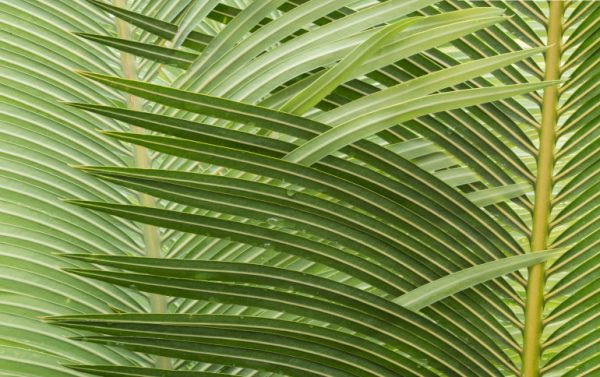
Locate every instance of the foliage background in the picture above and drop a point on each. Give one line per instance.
(42, 139)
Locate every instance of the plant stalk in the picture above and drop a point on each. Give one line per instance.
(141, 159)
(534, 303)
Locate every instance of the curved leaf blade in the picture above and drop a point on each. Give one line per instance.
(436, 290)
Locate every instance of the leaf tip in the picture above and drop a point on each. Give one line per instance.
(74, 104)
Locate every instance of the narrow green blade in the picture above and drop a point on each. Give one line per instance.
(439, 289)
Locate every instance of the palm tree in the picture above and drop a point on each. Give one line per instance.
(300, 187)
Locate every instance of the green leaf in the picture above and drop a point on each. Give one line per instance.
(358, 267)
(401, 207)
(165, 55)
(120, 371)
(423, 85)
(381, 118)
(200, 103)
(195, 12)
(429, 293)
(161, 28)
(222, 354)
(415, 340)
(342, 341)
(343, 70)
(484, 198)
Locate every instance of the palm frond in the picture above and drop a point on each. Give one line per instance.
(340, 188)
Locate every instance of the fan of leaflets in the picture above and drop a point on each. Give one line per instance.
(323, 195)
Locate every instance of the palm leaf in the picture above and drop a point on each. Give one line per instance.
(302, 167)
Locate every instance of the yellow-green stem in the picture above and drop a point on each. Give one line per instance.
(534, 304)
(141, 159)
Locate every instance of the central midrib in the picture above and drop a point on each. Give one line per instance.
(141, 159)
(543, 197)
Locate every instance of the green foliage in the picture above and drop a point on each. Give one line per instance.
(343, 188)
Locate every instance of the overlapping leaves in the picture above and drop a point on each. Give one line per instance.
(338, 223)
